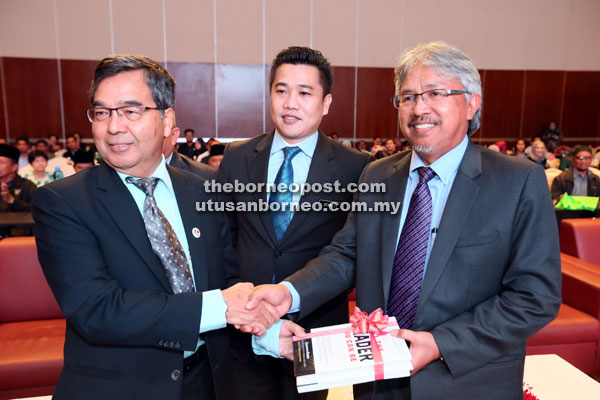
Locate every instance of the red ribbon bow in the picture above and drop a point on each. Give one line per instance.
(374, 323)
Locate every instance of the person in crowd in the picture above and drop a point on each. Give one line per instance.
(72, 147)
(83, 160)
(552, 136)
(390, 147)
(187, 148)
(203, 158)
(53, 143)
(216, 156)
(15, 191)
(38, 173)
(538, 154)
(178, 160)
(3, 140)
(42, 145)
(22, 144)
(136, 270)
(334, 136)
(494, 147)
(376, 143)
(471, 267)
(272, 245)
(502, 147)
(519, 148)
(361, 146)
(533, 140)
(577, 180)
(80, 145)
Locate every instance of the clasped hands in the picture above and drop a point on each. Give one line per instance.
(254, 309)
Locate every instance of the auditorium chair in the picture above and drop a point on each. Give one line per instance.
(580, 238)
(575, 333)
(32, 327)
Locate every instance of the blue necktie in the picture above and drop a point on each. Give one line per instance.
(409, 261)
(281, 219)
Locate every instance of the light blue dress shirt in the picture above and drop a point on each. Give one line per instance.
(213, 315)
(300, 163)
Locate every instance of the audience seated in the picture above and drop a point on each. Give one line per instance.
(577, 180)
(38, 173)
(15, 191)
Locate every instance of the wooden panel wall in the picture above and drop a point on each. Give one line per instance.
(517, 103)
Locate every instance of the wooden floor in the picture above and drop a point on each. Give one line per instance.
(340, 393)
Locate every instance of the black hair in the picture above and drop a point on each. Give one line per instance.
(297, 55)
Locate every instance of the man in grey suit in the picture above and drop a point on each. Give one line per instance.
(490, 273)
(267, 252)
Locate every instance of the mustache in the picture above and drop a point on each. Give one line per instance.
(420, 120)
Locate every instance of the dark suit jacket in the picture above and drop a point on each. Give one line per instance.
(492, 280)
(187, 164)
(259, 254)
(565, 182)
(126, 330)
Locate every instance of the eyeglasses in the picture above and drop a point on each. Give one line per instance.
(131, 113)
(431, 97)
(581, 158)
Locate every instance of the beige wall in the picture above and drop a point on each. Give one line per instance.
(507, 34)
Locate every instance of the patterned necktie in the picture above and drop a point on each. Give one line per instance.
(163, 239)
(281, 219)
(409, 261)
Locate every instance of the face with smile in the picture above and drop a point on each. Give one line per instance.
(297, 102)
(435, 130)
(130, 147)
(582, 161)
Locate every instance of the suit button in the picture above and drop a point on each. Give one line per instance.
(175, 374)
(278, 254)
(166, 344)
(160, 342)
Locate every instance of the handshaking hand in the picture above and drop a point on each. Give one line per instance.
(286, 333)
(255, 320)
(277, 296)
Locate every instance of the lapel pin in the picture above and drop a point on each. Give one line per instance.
(196, 232)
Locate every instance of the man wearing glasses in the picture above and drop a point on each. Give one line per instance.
(470, 268)
(577, 180)
(127, 255)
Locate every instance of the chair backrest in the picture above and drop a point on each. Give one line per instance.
(24, 292)
(552, 173)
(580, 238)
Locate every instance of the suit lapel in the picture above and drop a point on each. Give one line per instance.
(395, 189)
(257, 163)
(322, 169)
(187, 195)
(460, 201)
(118, 203)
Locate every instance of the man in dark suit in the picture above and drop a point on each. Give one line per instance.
(300, 84)
(178, 160)
(135, 269)
(488, 273)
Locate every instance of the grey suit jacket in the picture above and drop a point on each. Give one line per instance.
(493, 277)
(259, 254)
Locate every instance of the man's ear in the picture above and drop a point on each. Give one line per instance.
(473, 105)
(326, 103)
(169, 122)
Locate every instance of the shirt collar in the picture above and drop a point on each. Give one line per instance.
(160, 172)
(307, 145)
(445, 166)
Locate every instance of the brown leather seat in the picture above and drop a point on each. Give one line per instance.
(32, 328)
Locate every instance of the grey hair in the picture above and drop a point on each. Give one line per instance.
(447, 61)
(159, 80)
